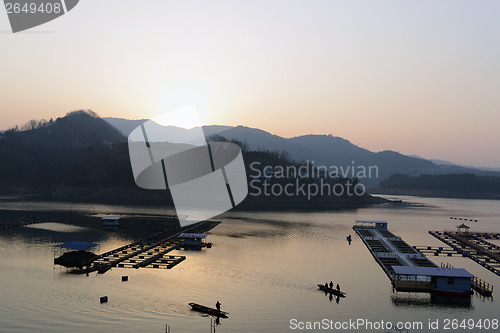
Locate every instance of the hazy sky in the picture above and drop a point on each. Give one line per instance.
(419, 77)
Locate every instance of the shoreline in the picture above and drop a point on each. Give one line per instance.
(144, 198)
(435, 194)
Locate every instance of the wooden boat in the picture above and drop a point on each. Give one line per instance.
(331, 290)
(210, 311)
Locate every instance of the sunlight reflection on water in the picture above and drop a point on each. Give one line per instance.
(263, 267)
(58, 227)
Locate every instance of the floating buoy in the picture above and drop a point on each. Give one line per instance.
(124, 278)
(104, 299)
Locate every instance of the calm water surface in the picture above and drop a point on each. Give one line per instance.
(263, 268)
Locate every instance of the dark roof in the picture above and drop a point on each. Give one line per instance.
(192, 235)
(77, 245)
(371, 221)
(432, 271)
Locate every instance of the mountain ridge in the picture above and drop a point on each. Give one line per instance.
(81, 157)
(330, 150)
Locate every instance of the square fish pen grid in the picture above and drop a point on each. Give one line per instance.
(365, 233)
(376, 245)
(389, 262)
(402, 246)
(167, 262)
(423, 262)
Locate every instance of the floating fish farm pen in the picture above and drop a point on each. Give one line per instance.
(407, 268)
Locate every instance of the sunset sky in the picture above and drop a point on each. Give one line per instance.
(418, 77)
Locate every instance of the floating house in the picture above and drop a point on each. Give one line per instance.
(379, 225)
(440, 280)
(193, 241)
(110, 221)
(463, 229)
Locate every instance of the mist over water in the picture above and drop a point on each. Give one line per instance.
(263, 268)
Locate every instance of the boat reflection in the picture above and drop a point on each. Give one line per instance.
(331, 297)
(431, 300)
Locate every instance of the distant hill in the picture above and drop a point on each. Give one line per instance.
(330, 150)
(467, 186)
(77, 127)
(125, 126)
(76, 149)
(469, 167)
(81, 157)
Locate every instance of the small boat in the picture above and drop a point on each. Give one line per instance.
(210, 311)
(331, 290)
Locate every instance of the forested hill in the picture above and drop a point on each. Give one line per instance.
(78, 149)
(325, 150)
(453, 186)
(80, 157)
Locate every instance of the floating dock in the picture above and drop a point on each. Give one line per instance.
(151, 252)
(388, 249)
(439, 250)
(474, 246)
(485, 289)
(408, 269)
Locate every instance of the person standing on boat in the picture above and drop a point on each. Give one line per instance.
(331, 284)
(338, 287)
(326, 284)
(217, 305)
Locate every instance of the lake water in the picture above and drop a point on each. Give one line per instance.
(263, 268)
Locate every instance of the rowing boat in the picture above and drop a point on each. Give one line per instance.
(331, 290)
(210, 311)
